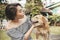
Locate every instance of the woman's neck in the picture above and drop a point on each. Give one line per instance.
(18, 20)
(15, 21)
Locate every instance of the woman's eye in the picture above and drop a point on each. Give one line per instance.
(20, 10)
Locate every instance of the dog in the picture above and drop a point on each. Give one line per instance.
(42, 26)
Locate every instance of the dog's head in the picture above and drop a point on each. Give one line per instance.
(39, 20)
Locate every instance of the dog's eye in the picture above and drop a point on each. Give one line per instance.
(36, 17)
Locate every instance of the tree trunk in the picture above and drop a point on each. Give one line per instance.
(55, 23)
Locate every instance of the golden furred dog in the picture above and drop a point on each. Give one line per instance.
(42, 26)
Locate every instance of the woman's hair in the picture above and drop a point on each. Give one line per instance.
(11, 11)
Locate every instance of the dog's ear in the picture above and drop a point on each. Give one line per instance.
(44, 19)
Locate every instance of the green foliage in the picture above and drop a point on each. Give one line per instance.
(3, 35)
(35, 10)
(2, 11)
(58, 18)
(55, 18)
(0, 1)
(33, 6)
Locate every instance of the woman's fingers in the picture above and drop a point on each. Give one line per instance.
(35, 25)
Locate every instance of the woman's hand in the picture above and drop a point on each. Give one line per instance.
(27, 34)
(35, 25)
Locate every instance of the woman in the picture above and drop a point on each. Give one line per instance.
(18, 26)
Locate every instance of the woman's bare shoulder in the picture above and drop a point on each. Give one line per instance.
(7, 25)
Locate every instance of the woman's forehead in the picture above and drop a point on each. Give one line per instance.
(19, 8)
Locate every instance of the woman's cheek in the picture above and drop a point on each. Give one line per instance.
(21, 16)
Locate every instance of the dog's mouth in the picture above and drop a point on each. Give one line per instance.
(37, 24)
(34, 22)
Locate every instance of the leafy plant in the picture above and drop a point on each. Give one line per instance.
(2, 11)
(55, 18)
(33, 6)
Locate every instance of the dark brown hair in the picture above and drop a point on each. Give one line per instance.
(11, 10)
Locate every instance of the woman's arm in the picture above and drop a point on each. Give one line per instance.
(28, 33)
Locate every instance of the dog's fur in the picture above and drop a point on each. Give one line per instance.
(42, 26)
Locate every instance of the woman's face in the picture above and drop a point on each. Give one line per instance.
(20, 13)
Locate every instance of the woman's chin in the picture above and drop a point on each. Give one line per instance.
(21, 17)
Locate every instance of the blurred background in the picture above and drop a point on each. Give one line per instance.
(48, 8)
(32, 7)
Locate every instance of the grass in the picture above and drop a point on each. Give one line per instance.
(55, 30)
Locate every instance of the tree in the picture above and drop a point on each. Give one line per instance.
(0, 1)
(2, 11)
(55, 18)
(33, 6)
